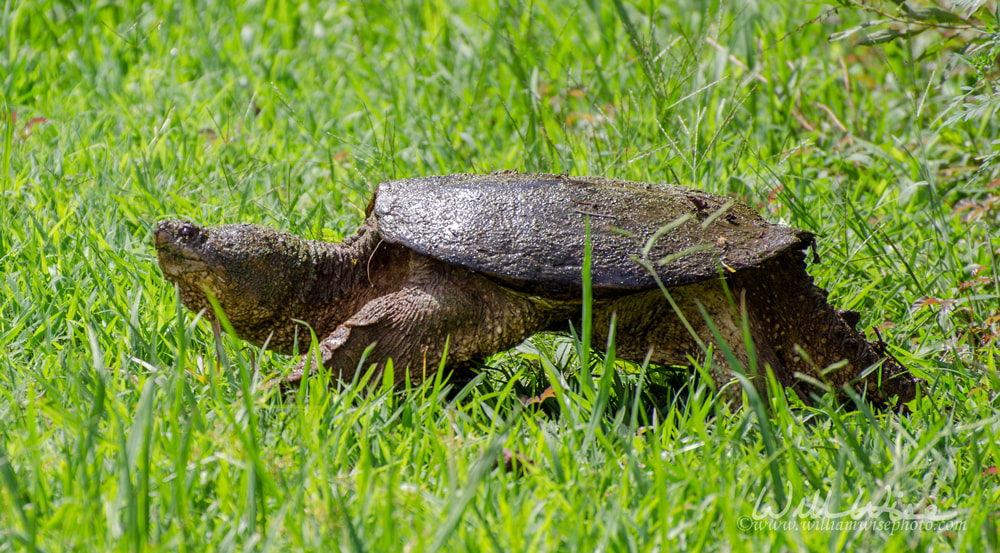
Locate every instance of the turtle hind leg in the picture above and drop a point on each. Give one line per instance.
(794, 331)
(672, 334)
(812, 338)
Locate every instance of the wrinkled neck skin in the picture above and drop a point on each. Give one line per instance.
(330, 275)
(313, 282)
(339, 280)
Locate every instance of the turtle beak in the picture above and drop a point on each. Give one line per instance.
(160, 237)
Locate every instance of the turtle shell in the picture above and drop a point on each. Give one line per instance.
(530, 230)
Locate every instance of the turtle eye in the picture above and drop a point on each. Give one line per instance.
(187, 231)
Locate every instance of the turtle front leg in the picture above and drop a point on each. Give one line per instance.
(438, 304)
(394, 326)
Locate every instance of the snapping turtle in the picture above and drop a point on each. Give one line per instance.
(485, 261)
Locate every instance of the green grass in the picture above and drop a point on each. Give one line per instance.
(123, 429)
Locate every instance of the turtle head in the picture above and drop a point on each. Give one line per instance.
(254, 272)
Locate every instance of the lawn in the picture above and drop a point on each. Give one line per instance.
(125, 425)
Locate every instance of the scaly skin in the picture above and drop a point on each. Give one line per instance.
(786, 315)
(366, 291)
(264, 279)
(362, 292)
